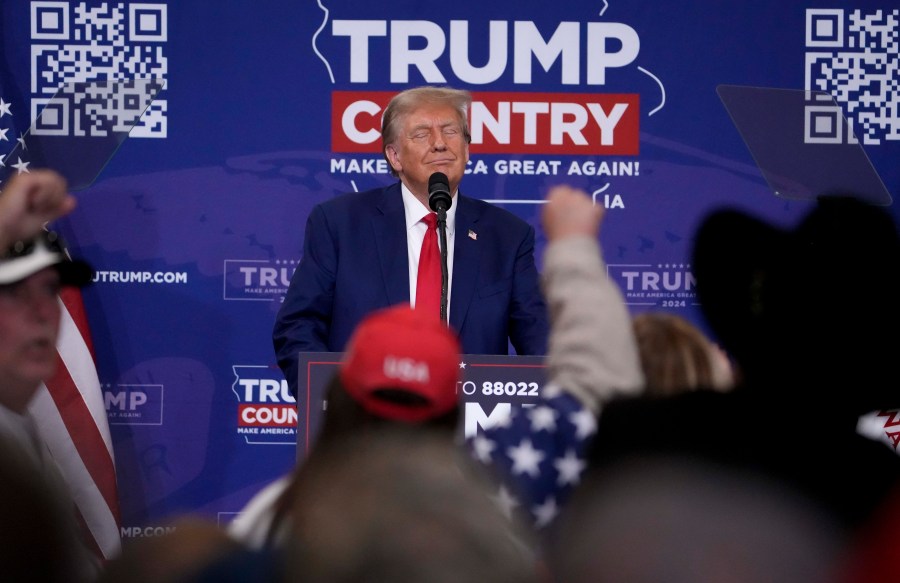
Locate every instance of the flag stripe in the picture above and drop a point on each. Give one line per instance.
(101, 522)
(92, 544)
(74, 426)
(73, 402)
(76, 351)
(83, 433)
(71, 299)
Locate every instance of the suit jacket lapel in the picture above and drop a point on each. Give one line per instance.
(389, 228)
(466, 259)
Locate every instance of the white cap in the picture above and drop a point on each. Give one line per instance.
(26, 258)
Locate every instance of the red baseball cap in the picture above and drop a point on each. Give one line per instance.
(401, 364)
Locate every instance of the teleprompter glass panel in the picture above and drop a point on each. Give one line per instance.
(802, 143)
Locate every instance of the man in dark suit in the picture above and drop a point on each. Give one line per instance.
(361, 250)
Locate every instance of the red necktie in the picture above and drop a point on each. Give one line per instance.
(428, 284)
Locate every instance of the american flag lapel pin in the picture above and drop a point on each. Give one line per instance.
(473, 235)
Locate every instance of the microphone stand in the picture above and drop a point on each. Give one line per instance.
(439, 200)
(442, 233)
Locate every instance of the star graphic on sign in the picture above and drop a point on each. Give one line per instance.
(545, 513)
(542, 418)
(584, 423)
(4, 108)
(21, 140)
(569, 468)
(2, 165)
(525, 459)
(462, 365)
(21, 166)
(3, 137)
(483, 447)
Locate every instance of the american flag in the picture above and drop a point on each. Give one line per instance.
(69, 409)
(537, 455)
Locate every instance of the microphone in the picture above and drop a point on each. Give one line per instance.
(439, 192)
(439, 200)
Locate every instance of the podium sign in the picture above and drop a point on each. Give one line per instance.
(489, 388)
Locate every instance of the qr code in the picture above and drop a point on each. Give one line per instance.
(98, 67)
(855, 58)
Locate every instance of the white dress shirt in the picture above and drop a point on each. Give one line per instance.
(415, 234)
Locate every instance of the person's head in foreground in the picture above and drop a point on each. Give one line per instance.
(801, 307)
(399, 372)
(32, 272)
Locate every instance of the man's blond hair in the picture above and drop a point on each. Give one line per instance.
(410, 100)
